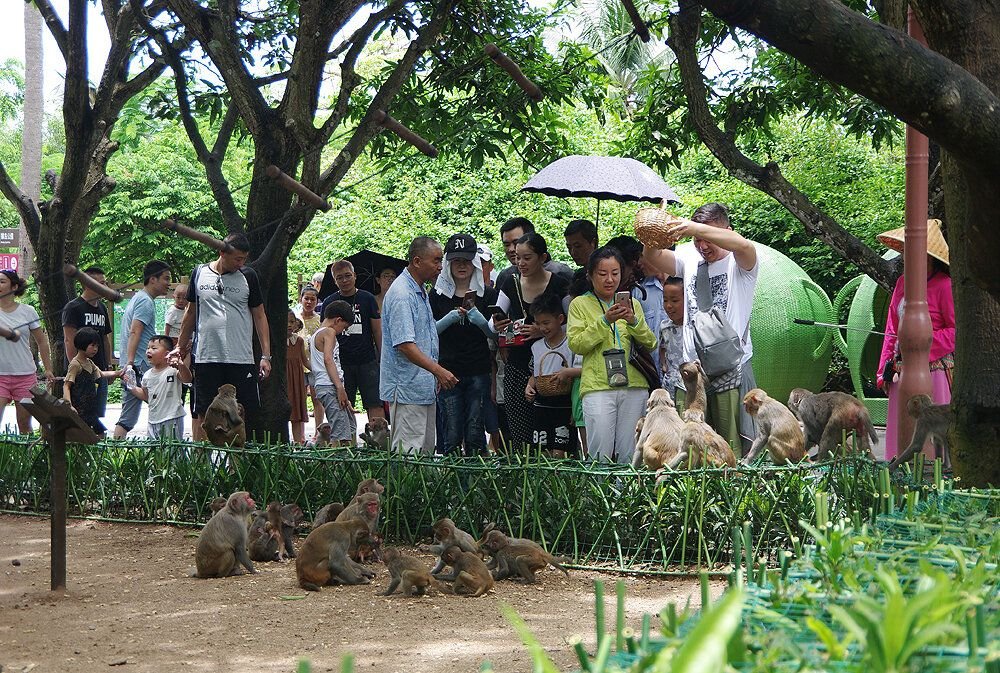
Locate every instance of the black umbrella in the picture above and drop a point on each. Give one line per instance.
(613, 178)
(367, 265)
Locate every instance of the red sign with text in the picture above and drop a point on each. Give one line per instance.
(9, 262)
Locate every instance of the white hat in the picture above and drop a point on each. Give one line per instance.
(484, 252)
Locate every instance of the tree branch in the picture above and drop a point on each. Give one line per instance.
(921, 87)
(56, 27)
(685, 27)
(25, 206)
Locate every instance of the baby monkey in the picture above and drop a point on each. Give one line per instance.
(407, 573)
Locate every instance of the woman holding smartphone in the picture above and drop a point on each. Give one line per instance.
(459, 303)
(517, 330)
(602, 326)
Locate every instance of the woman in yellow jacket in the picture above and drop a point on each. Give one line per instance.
(602, 330)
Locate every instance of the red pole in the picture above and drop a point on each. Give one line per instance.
(915, 330)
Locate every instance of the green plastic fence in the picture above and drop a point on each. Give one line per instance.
(596, 514)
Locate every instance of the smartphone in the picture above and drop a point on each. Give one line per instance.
(496, 312)
(469, 302)
(624, 297)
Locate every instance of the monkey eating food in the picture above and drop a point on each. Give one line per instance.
(777, 429)
(222, 544)
(223, 420)
(405, 572)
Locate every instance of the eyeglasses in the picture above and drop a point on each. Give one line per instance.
(219, 287)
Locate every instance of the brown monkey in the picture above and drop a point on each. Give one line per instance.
(933, 423)
(217, 504)
(376, 434)
(324, 432)
(272, 532)
(223, 422)
(777, 428)
(694, 385)
(327, 513)
(490, 527)
(405, 572)
(826, 416)
(364, 508)
(658, 437)
(701, 445)
(324, 558)
(222, 544)
(446, 534)
(367, 551)
(519, 559)
(469, 573)
(263, 539)
(367, 486)
(291, 519)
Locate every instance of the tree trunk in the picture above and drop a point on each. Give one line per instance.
(31, 133)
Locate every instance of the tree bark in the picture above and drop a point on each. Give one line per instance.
(31, 130)
(948, 93)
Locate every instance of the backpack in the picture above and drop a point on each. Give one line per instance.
(717, 344)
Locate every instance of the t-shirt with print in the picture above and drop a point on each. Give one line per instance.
(164, 388)
(140, 308)
(15, 356)
(356, 343)
(80, 313)
(224, 325)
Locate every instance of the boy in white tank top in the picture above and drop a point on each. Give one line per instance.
(324, 360)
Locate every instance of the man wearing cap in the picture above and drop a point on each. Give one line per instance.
(460, 303)
(410, 373)
(138, 327)
(225, 307)
(361, 343)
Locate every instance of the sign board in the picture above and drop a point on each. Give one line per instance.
(10, 238)
(9, 262)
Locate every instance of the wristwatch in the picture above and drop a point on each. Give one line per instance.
(265, 357)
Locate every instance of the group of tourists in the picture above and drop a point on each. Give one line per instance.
(456, 357)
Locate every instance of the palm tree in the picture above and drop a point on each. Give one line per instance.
(31, 134)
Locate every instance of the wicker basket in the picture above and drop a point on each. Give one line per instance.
(549, 385)
(653, 225)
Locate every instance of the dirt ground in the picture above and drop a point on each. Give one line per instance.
(130, 605)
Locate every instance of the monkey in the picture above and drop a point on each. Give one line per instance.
(376, 434)
(694, 386)
(469, 575)
(933, 421)
(324, 431)
(405, 572)
(222, 544)
(327, 513)
(367, 486)
(273, 515)
(371, 550)
(825, 417)
(223, 422)
(291, 518)
(217, 504)
(658, 437)
(447, 534)
(324, 560)
(777, 428)
(701, 445)
(365, 508)
(491, 526)
(272, 532)
(521, 559)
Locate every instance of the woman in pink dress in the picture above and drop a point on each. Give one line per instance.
(942, 310)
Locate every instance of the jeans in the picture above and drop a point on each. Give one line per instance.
(463, 415)
(343, 423)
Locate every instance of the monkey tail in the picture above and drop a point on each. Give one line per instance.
(443, 587)
(557, 561)
(308, 586)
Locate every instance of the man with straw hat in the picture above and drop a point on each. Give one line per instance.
(941, 307)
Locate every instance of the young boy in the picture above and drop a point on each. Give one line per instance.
(553, 428)
(324, 355)
(671, 336)
(82, 377)
(175, 313)
(161, 388)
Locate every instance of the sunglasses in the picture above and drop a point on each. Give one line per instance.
(219, 287)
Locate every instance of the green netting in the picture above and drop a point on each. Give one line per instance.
(596, 514)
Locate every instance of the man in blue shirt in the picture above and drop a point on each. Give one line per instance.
(138, 327)
(409, 371)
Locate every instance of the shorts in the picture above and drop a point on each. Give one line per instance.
(16, 386)
(172, 428)
(553, 430)
(343, 424)
(209, 376)
(362, 378)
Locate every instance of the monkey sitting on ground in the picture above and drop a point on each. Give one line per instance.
(324, 558)
(223, 420)
(376, 434)
(367, 486)
(777, 428)
(694, 386)
(701, 445)
(327, 513)
(827, 416)
(933, 421)
(364, 507)
(222, 544)
(519, 559)
(324, 431)
(658, 433)
(406, 572)
(447, 534)
(272, 532)
(469, 575)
